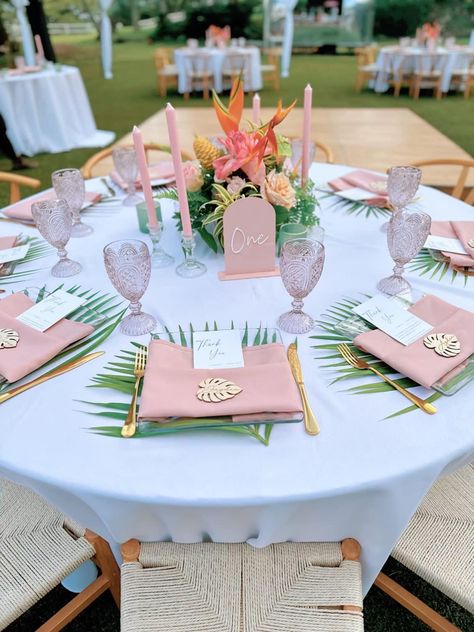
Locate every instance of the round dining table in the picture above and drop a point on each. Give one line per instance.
(48, 111)
(217, 58)
(362, 476)
(446, 60)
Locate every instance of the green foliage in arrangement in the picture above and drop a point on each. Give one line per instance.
(118, 376)
(426, 265)
(331, 337)
(102, 308)
(38, 250)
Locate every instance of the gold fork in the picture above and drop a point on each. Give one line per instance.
(130, 425)
(357, 362)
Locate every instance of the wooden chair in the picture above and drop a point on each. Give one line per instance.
(271, 66)
(106, 153)
(326, 150)
(438, 546)
(39, 547)
(199, 74)
(237, 588)
(464, 78)
(428, 73)
(235, 64)
(465, 164)
(366, 67)
(397, 76)
(16, 181)
(166, 72)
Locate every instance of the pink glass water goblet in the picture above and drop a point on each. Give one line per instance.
(402, 185)
(125, 163)
(406, 235)
(69, 185)
(128, 265)
(54, 221)
(301, 265)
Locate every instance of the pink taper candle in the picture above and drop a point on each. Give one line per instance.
(308, 103)
(178, 171)
(256, 109)
(144, 176)
(39, 46)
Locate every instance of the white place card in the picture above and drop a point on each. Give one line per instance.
(445, 244)
(391, 318)
(13, 254)
(50, 310)
(217, 349)
(356, 194)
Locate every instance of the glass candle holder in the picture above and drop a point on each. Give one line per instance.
(291, 231)
(142, 215)
(190, 267)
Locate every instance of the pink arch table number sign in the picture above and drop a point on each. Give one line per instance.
(249, 240)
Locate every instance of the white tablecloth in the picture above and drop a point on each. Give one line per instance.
(49, 111)
(362, 476)
(447, 61)
(252, 79)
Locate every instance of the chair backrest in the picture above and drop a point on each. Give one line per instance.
(106, 153)
(365, 55)
(162, 58)
(236, 63)
(426, 63)
(16, 181)
(197, 62)
(465, 165)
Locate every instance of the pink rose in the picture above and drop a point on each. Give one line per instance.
(193, 175)
(277, 190)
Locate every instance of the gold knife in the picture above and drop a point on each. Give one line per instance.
(310, 423)
(47, 376)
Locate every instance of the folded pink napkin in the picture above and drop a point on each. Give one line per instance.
(363, 180)
(464, 231)
(22, 210)
(161, 171)
(34, 347)
(171, 383)
(7, 242)
(416, 361)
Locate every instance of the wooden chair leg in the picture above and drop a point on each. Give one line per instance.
(426, 614)
(106, 562)
(398, 86)
(205, 88)
(163, 86)
(351, 550)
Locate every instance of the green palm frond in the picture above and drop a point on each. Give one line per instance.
(118, 376)
(331, 337)
(355, 208)
(103, 310)
(38, 250)
(426, 265)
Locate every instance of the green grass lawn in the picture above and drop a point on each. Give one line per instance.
(130, 97)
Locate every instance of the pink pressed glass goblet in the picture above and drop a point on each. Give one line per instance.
(406, 235)
(301, 265)
(54, 221)
(69, 185)
(125, 163)
(402, 185)
(128, 265)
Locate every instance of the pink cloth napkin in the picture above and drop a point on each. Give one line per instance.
(363, 180)
(161, 171)
(7, 242)
(22, 210)
(34, 347)
(415, 361)
(464, 231)
(171, 383)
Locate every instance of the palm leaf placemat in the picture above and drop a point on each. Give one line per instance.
(107, 306)
(38, 250)
(118, 376)
(426, 265)
(327, 351)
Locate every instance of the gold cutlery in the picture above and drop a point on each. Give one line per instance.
(47, 376)
(357, 362)
(130, 425)
(310, 423)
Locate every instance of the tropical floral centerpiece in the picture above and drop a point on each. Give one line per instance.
(255, 162)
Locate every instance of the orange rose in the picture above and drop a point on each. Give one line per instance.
(277, 189)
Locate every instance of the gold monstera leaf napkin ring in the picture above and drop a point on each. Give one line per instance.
(217, 389)
(8, 338)
(445, 345)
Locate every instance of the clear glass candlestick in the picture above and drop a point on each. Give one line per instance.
(69, 185)
(159, 258)
(190, 267)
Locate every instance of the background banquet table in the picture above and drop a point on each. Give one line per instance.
(49, 111)
(372, 138)
(362, 476)
(447, 60)
(252, 79)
